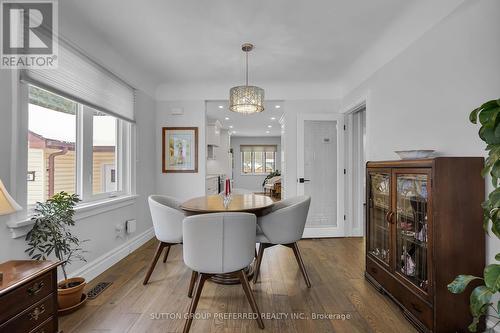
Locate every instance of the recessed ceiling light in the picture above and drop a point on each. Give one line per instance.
(231, 126)
(269, 126)
(268, 132)
(277, 106)
(273, 118)
(227, 118)
(221, 106)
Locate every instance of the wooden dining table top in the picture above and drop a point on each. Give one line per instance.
(249, 203)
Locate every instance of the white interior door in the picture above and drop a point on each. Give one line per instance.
(320, 171)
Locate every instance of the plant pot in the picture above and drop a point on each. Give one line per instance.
(68, 297)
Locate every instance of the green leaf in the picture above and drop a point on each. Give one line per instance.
(473, 326)
(460, 283)
(487, 134)
(495, 227)
(495, 170)
(473, 116)
(479, 300)
(487, 117)
(497, 257)
(492, 277)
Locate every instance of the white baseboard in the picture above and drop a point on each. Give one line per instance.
(92, 269)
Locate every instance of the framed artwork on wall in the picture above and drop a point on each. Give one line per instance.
(180, 149)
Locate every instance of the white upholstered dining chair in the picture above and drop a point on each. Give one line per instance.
(284, 225)
(220, 243)
(167, 222)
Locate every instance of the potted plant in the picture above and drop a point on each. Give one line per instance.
(271, 175)
(51, 235)
(487, 288)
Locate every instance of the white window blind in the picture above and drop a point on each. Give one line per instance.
(257, 148)
(83, 80)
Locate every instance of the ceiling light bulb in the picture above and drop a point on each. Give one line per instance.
(227, 118)
(268, 132)
(269, 126)
(221, 106)
(231, 126)
(273, 118)
(277, 106)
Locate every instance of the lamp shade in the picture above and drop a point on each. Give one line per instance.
(7, 204)
(246, 99)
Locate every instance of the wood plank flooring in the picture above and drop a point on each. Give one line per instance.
(335, 268)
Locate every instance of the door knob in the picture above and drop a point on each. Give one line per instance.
(302, 180)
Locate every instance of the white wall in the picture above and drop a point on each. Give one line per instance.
(222, 162)
(251, 182)
(292, 108)
(181, 185)
(423, 97)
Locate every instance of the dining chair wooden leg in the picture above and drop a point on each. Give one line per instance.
(194, 276)
(296, 251)
(250, 297)
(161, 245)
(194, 302)
(166, 253)
(256, 271)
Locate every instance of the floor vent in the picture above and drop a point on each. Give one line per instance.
(98, 289)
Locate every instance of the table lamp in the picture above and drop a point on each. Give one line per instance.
(7, 206)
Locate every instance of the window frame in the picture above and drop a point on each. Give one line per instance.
(252, 158)
(125, 154)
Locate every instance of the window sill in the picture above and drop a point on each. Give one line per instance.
(20, 228)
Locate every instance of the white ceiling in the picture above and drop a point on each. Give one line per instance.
(247, 125)
(181, 41)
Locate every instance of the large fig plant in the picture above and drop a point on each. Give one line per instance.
(481, 302)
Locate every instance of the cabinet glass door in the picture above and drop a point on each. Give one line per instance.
(412, 228)
(379, 201)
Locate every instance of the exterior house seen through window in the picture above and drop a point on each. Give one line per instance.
(53, 155)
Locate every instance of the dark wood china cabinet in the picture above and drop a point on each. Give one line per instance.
(424, 227)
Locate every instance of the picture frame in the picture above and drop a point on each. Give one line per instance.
(180, 149)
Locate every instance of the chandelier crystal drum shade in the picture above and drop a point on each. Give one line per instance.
(246, 99)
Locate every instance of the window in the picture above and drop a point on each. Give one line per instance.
(104, 131)
(72, 148)
(51, 145)
(258, 159)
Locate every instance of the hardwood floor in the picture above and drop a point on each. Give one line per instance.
(335, 267)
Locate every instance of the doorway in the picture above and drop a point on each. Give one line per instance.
(320, 170)
(356, 178)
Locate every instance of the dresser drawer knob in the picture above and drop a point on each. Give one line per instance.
(35, 289)
(37, 312)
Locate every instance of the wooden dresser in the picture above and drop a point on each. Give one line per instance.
(424, 227)
(28, 296)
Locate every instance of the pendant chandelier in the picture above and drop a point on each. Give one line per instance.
(246, 99)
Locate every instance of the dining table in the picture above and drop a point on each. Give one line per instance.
(257, 204)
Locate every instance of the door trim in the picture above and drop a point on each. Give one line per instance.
(317, 232)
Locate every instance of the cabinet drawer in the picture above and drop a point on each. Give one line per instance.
(415, 305)
(400, 293)
(47, 327)
(31, 317)
(21, 297)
